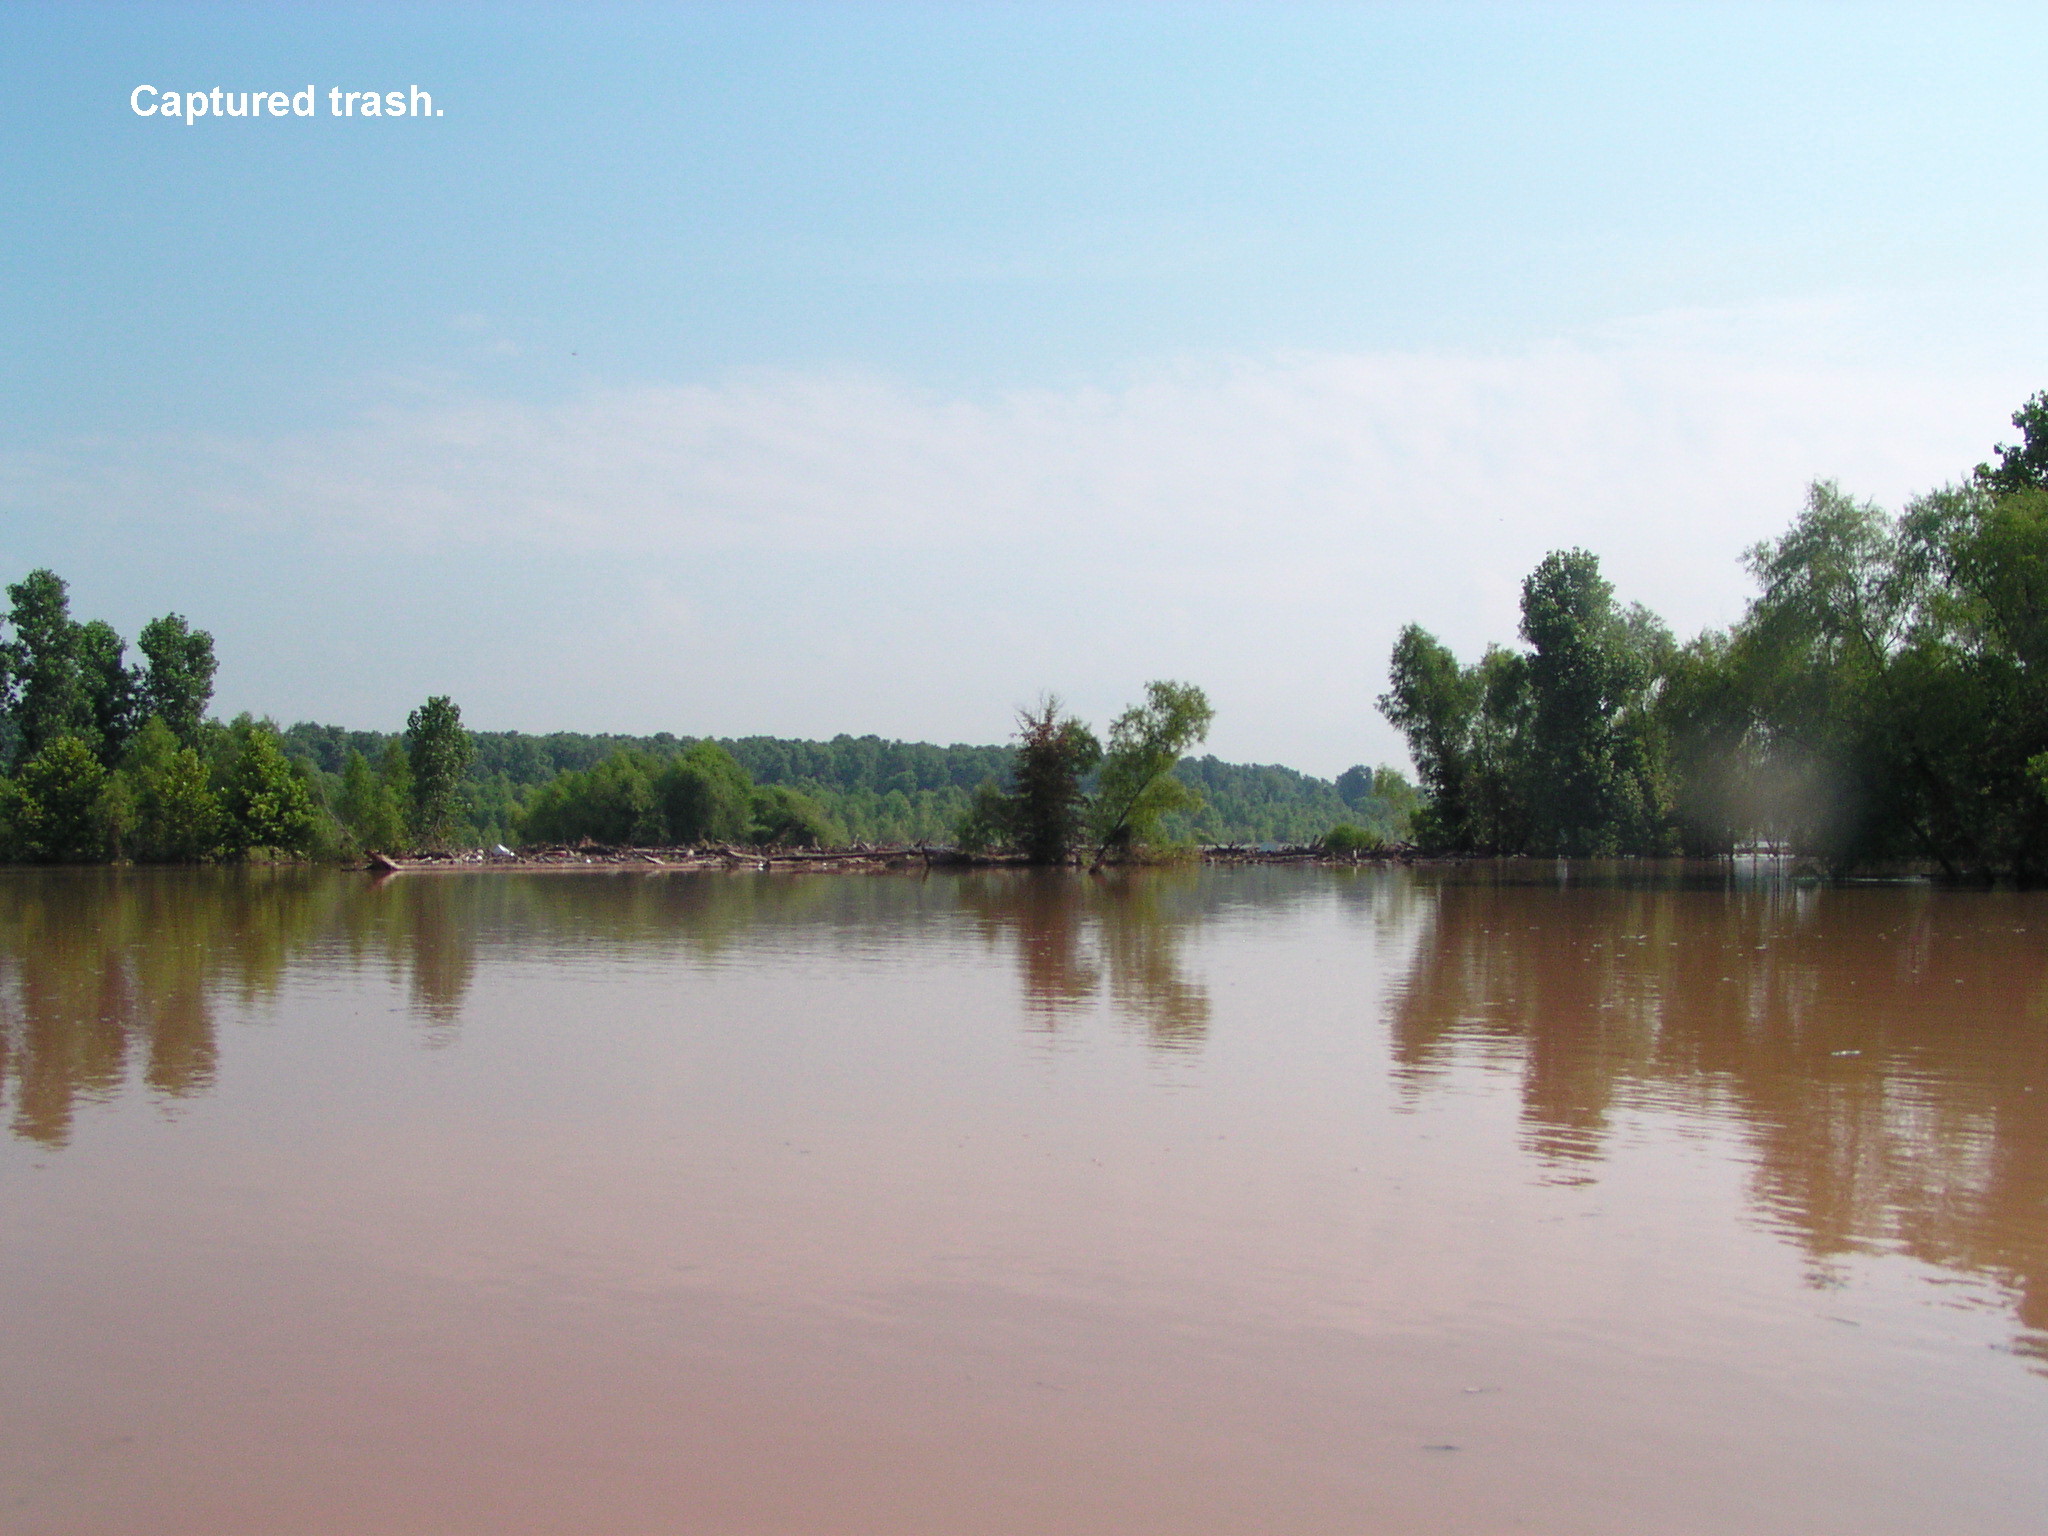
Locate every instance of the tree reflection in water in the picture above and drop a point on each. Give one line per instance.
(99, 967)
(1883, 1050)
(1074, 932)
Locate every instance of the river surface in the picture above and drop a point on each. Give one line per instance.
(1202, 1201)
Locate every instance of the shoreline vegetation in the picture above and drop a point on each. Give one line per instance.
(1883, 702)
(1881, 705)
(119, 763)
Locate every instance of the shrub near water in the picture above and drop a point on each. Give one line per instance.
(613, 802)
(706, 795)
(53, 808)
(702, 795)
(1346, 840)
(788, 818)
(267, 804)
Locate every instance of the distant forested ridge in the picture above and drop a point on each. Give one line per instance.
(874, 790)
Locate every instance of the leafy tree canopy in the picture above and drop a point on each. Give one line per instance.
(438, 752)
(1137, 787)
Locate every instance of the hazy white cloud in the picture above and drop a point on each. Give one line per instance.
(817, 552)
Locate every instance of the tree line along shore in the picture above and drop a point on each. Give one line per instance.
(1883, 701)
(117, 761)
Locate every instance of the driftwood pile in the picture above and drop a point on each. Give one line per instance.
(1309, 853)
(861, 856)
(714, 856)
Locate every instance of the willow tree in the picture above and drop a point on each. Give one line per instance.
(1137, 788)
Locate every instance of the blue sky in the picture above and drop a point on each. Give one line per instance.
(859, 367)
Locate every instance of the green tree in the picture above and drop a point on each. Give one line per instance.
(176, 817)
(1976, 666)
(1044, 813)
(553, 813)
(1501, 768)
(46, 692)
(1707, 715)
(1391, 787)
(1354, 785)
(1556, 749)
(705, 796)
(1382, 798)
(1435, 703)
(266, 803)
(788, 818)
(55, 811)
(2022, 466)
(611, 802)
(438, 751)
(108, 686)
(1054, 753)
(177, 678)
(990, 820)
(1136, 787)
(394, 769)
(1591, 671)
(1851, 772)
(370, 805)
(619, 804)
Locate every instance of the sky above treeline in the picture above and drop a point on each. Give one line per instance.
(798, 369)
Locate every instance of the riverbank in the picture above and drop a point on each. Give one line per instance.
(859, 857)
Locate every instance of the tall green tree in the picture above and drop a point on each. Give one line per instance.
(1501, 771)
(1136, 787)
(46, 693)
(177, 677)
(1435, 703)
(1591, 675)
(1975, 667)
(1048, 816)
(1044, 811)
(109, 687)
(1711, 742)
(438, 751)
(1853, 772)
(1555, 749)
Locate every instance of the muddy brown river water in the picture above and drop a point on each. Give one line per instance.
(1203, 1201)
